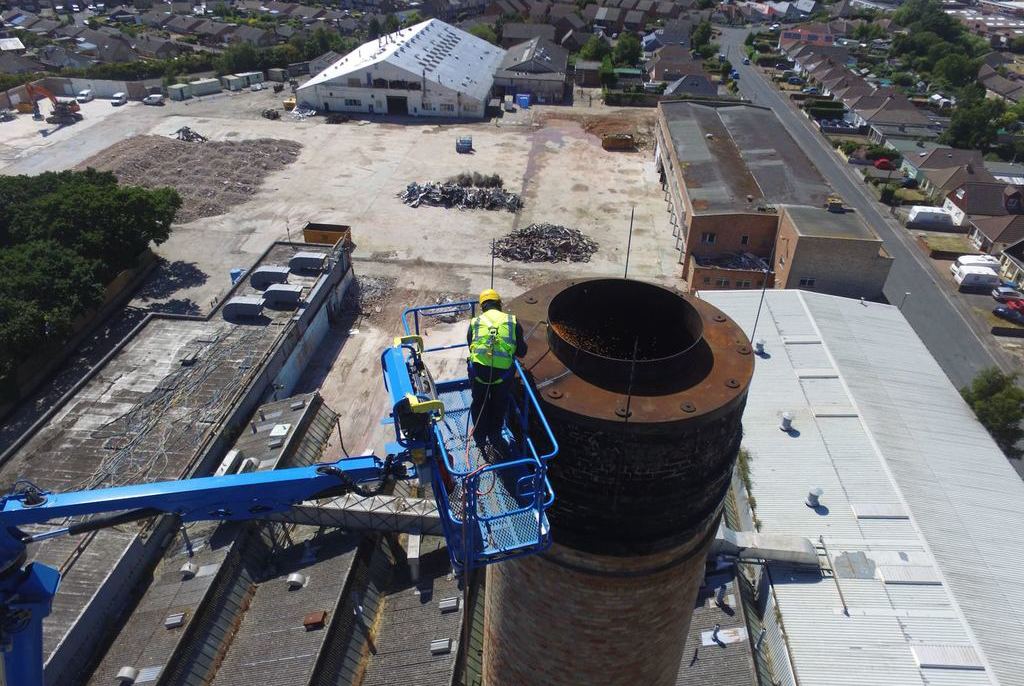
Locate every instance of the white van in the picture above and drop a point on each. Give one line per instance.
(975, 261)
(155, 99)
(974, 278)
(118, 99)
(84, 96)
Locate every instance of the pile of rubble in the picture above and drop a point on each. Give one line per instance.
(545, 243)
(369, 295)
(450, 315)
(210, 177)
(450, 195)
(189, 136)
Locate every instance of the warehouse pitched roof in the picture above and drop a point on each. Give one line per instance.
(433, 50)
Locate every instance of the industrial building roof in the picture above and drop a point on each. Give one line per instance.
(148, 413)
(819, 222)
(922, 516)
(736, 156)
(432, 50)
(722, 659)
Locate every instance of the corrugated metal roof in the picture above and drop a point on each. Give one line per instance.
(431, 50)
(908, 444)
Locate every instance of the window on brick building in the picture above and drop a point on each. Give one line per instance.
(707, 280)
(707, 238)
(806, 283)
(722, 283)
(743, 284)
(350, 102)
(744, 239)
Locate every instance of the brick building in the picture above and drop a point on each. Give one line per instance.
(726, 167)
(827, 252)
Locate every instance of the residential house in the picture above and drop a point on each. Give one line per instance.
(306, 14)
(60, 57)
(634, 21)
(982, 199)
(514, 34)
(261, 38)
(567, 22)
(998, 86)
(1011, 264)
(508, 8)
(939, 159)
(537, 67)
(693, 85)
(155, 18)
(124, 15)
(646, 7)
(574, 40)
(11, 63)
(157, 48)
(537, 11)
(609, 18)
(672, 63)
(213, 32)
(667, 10)
(995, 234)
(182, 24)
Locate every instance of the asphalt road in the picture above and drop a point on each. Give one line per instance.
(944, 322)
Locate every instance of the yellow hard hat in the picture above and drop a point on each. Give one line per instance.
(489, 294)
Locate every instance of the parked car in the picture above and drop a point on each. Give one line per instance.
(746, 60)
(811, 90)
(1006, 294)
(155, 99)
(781, 65)
(118, 99)
(84, 96)
(256, 87)
(1010, 315)
(795, 81)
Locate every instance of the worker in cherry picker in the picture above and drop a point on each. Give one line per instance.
(495, 338)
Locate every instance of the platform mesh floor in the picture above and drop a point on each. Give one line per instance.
(496, 494)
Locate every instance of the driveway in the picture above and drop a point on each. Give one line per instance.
(959, 342)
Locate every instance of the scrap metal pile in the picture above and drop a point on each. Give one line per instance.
(545, 243)
(450, 195)
(189, 136)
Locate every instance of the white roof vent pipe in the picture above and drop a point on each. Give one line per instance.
(814, 498)
(188, 570)
(296, 581)
(787, 422)
(759, 347)
(127, 675)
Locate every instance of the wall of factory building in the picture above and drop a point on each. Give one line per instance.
(847, 267)
(357, 93)
(284, 365)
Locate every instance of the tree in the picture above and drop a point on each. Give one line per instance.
(411, 19)
(595, 49)
(607, 72)
(373, 29)
(1017, 45)
(956, 70)
(391, 24)
(627, 50)
(998, 402)
(974, 125)
(701, 35)
(485, 32)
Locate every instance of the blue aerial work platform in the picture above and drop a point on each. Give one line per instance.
(489, 512)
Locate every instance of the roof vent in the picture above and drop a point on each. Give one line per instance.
(814, 498)
(127, 675)
(315, 620)
(441, 646)
(449, 605)
(296, 581)
(175, 620)
(787, 422)
(188, 570)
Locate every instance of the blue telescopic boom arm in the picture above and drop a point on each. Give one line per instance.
(26, 591)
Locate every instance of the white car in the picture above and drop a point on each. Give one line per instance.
(118, 99)
(256, 87)
(155, 99)
(84, 96)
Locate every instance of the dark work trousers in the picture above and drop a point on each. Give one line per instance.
(488, 409)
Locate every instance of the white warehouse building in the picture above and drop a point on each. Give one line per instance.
(431, 69)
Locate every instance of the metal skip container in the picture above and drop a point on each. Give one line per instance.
(644, 389)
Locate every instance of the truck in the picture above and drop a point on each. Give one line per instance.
(975, 278)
